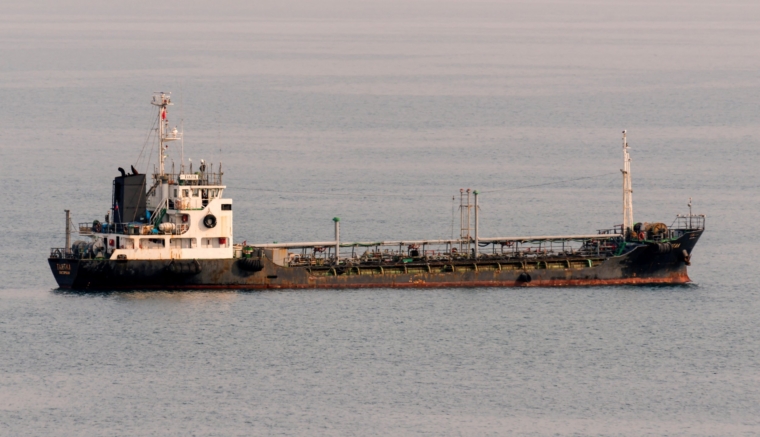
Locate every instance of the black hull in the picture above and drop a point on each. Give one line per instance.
(643, 265)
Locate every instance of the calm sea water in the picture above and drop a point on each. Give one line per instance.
(379, 112)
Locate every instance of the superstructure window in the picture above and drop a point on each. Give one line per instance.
(152, 243)
(226, 207)
(183, 243)
(213, 243)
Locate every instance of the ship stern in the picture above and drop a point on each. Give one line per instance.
(64, 267)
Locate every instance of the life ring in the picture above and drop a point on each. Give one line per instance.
(209, 221)
(111, 242)
(642, 236)
(185, 218)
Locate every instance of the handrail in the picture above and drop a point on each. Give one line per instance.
(689, 222)
(165, 205)
(192, 179)
(61, 253)
(542, 238)
(130, 229)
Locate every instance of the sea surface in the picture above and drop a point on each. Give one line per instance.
(379, 112)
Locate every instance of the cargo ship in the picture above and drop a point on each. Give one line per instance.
(176, 233)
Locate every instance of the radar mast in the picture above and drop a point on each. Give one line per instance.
(162, 100)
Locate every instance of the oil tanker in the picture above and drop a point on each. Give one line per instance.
(176, 232)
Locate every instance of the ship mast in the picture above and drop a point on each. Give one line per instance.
(627, 189)
(163, 100)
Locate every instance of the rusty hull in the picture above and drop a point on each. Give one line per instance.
(640, 266)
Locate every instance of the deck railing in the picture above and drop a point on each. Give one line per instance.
(197, 178)
(615, 230)
(62, 253)
(383, 253)
(129, 229)
(689, 222)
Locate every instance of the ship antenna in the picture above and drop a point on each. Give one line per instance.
(182, 131)
(690, 215)
(627, 189)
(182, 146)
(453, 198)
(163, 100)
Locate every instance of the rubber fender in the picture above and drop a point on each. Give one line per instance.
(123, 271)
(184, 268)
(664, 247)
(99, 269)
(209, 221)
(686, 257)
(524, 277)
(251, 264)
(105, 270)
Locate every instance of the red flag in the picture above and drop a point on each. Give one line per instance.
(163, 114)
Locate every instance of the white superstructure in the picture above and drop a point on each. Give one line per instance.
(187, 216)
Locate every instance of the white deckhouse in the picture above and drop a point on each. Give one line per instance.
(183, 216)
